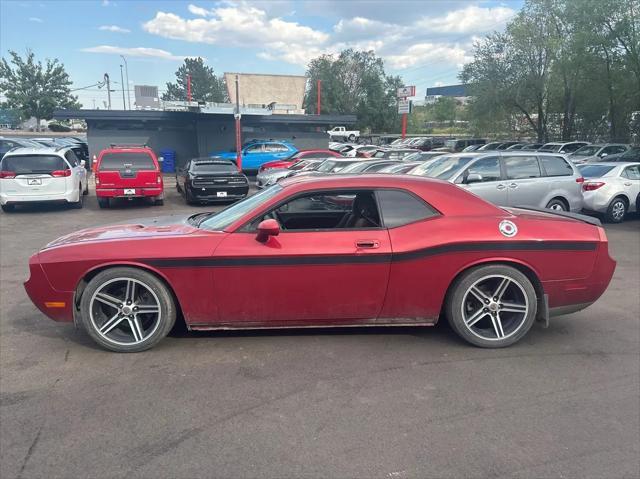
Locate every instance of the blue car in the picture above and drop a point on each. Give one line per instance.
(255, 153)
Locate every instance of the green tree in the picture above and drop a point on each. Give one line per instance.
(355, 82)
(205, 85)
(34, 88)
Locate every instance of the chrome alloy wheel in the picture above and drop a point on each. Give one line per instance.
(557, 207)
(125, 311)
(495, 307)
(618, 210)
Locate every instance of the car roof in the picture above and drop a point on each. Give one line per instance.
(47, 150)
(611, 163)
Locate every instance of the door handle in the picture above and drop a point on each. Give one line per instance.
(500, 187)
(513, 185)
(368, 244)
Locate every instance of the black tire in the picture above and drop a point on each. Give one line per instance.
(103, 202)
(557, 204)
(158, 328)
(86, 189)
(188, 197)
(159, 201)
(8, 208)
(617, 210)
(514, 327)
(351, 137)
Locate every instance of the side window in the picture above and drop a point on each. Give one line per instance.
(632, 172)
(556, 166)
(254, 149)
(520, 167)
(400, 208)
(617, 149)
(71, 158)
(332, 210)
(275, 148)
(487, 168)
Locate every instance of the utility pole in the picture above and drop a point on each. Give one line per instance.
(126, 72)
(124, 102)
(238, 130)
(106, 79)
(319, 88)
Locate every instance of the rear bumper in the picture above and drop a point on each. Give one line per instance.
(595, 202)
(11, 199)
(57, 305)
(210, 193)
(119, 192)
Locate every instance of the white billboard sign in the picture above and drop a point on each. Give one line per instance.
(406, 91)
(404, 105)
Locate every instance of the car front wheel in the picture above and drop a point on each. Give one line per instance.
(127, 310)
(492, 306)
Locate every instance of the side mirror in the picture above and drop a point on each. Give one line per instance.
(602, 155)
(267, 228)
(473, 178)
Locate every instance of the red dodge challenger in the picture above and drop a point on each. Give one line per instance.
(371, 250)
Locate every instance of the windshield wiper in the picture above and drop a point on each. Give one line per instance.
(199, 218)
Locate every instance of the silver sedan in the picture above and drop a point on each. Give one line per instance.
(612, 189)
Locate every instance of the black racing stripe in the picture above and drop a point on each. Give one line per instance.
(368, 258)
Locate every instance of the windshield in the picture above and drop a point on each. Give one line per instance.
(333, 166)
(215, 168)
(631, 155)
(32, 164)
(223, 219)
(442, 168)
(594, 171)
(587, 151)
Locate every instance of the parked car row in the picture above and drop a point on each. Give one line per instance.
(506, 178)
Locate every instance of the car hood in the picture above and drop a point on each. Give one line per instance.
(170, 225)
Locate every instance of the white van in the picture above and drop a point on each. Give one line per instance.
(29, 175)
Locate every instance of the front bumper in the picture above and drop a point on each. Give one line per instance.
(57, 305)
(120, 192)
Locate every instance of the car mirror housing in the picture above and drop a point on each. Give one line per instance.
(473, 178)
(266, 229)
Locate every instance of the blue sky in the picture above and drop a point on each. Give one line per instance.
(425, 42)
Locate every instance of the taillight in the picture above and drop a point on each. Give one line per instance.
(60, 173)
(580, 180)
(7, 174)
(592, 185)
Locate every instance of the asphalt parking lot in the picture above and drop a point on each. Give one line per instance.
(391, 403)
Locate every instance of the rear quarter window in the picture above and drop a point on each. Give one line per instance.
(555, 166)
(128, 160)
(399, 208)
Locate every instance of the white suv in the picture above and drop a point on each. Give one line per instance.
(30, 175)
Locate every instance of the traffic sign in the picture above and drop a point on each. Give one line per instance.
(406, 91)
(404, 105)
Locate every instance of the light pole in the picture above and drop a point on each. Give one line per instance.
(126, 71)
(124, 102)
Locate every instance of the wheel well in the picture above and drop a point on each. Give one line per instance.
(528, 272)
(560, 198)
(623, 198)
(91, 274)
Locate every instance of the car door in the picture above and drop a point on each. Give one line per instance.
(631, 184)
(490, 186)
(314, 270)
(523, 179)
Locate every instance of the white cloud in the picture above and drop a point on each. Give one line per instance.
(142, 52)
(106, 3)
(36, 20)
(445, 38)
(114, 28)
(201, 12)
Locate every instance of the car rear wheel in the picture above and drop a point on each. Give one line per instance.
(127, 310)
(159, 201)
(492, 306)
(86, 188)
(557, 204)
(617, 210)
(351, 137)
(103, 202)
